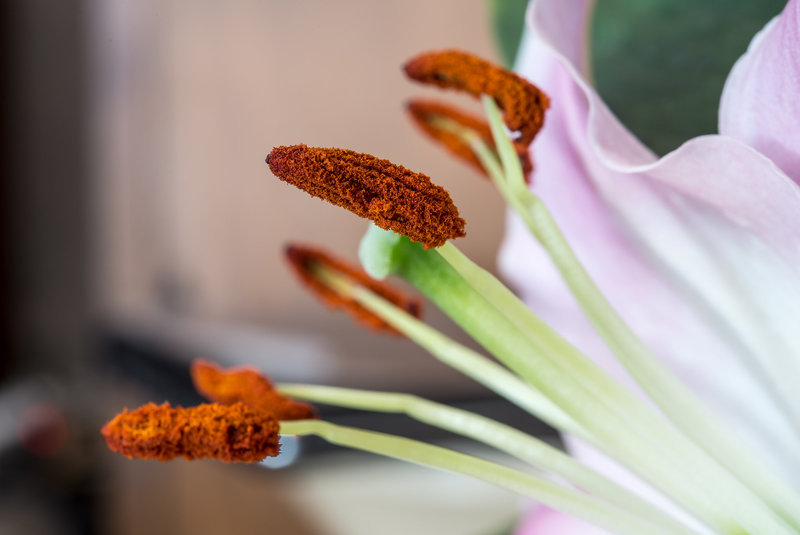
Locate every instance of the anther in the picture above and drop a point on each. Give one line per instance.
(432, 118)
(248, 386)
(225, 432)
(306, 260)
(523, 104)
(390, 195)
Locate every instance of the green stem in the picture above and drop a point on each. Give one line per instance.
(551, 494)
(503, 437)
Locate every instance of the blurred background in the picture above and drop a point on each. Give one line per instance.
(140, 228)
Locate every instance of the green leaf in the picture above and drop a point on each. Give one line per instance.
(661, 64)
(508, 22)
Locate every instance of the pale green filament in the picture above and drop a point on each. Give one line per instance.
(551, 494)
(687, 482)
(505, 438)
(459, 357)
(668, 392)
(737, 499)
(484, 153)
(615, 419)
(633, 434)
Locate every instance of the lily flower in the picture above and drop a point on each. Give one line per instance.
(689, 455)
(698, 251)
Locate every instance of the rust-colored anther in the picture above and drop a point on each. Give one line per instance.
(425, 112)
(248, 386)
(303, 261)
(390, 195)
(225, 432)
(523, 104)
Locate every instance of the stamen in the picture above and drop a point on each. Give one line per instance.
(440, 122)
(390, 195)
(224, 432)
(305, 260)
(248, 386)
(523, 103)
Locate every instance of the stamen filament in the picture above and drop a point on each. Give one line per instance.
(452, 130)
(482, 151)
(459, 357)
(568, 500)
(513, 173)
(633, 433)
(668, 392)
(503, 437)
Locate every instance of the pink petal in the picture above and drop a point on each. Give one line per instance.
(697, 250)
(545, 521)
(761, 101)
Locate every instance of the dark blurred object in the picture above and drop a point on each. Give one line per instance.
(44, 201)
(47, 471)
(47, 477)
